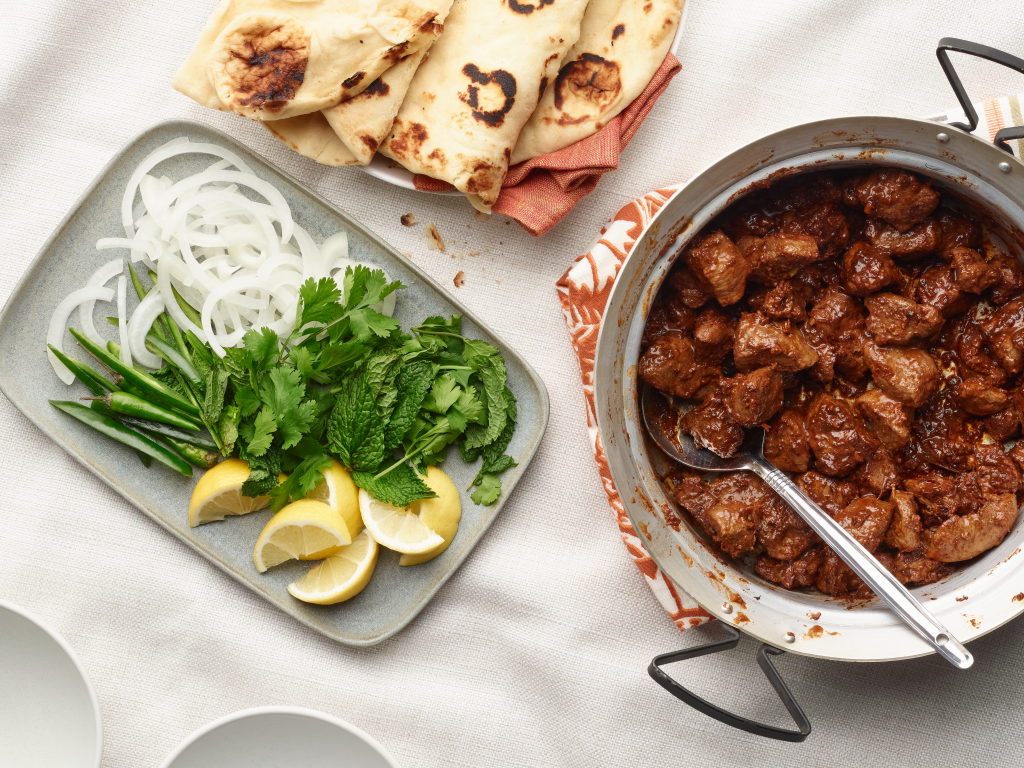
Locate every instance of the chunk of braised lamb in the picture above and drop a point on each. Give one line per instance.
(936, 496)
(979, 398)
(691, 492)
(890, 419)
(957, 231)
(893, 195)
(759, 342)
(733, 520)
(995, 470)
(801, 572)
(867, 270)
(689, 289)
(824, 369)
(973, 273)
(787, 444)
(964, 337)
(963, 538)
(713, 333)
(662, 321)
(711, 427)
(944, 435)
(1004, 332)
(937, 287)
(824, 222)
(836, 578)
(785, 302)
(866, 519)
(1017, 454)
(775, 257)
(915, 567)
(753, 398)
(839, 438)
(720, 266)
(746, 219)
(893, 319)
(783, 534)
(916, 243)
(1003, 425)
(840, 319)
(904, 533)
(827, 492)
(1011, 279)
(673, 364)
(907, 375)
(879, 474)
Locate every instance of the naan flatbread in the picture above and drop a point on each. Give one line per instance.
(349, 133)
(472, 96)
(274, 59)
(621, 46)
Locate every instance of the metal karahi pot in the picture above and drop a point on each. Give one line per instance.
(972, 601)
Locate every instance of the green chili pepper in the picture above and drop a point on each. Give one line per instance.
(96, 383)
(147, 386)
(160, 431)
(114, 348)
(197, 457)
(132, 405)
(175, 358)
(121, 433)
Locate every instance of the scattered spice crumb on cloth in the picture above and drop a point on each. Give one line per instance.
(408, 220)
(460, 279)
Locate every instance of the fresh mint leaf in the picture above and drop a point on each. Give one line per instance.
(263, 472)
(413, 383)
(213, 399)
(227, 426)
(247, 401)
(263, 432)
(380, 368)
(283, 389)
(352, 419)
(493, 452)
(295, 422)
(400, 487)
(303, 478)
(488, 490)
(492, 373)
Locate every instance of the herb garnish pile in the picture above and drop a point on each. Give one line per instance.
(347, 383)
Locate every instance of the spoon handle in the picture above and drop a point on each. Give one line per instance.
(874, 574)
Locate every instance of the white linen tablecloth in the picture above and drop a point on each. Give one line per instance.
(534, 654)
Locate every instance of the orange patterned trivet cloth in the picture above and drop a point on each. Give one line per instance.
(584, 291)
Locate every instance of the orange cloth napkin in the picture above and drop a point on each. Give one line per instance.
(538, 193)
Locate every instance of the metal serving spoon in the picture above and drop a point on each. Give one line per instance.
(662, 423)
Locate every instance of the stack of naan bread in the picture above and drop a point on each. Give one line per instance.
(454, 90)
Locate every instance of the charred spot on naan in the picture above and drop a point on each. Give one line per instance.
(527, 8)
(266, 58)
(437, 155)
(369, 141)
(407, 140)
(351, 82)
(620, 29)
(591, 82)
(377, 88)
(484, 179)
(481, 97)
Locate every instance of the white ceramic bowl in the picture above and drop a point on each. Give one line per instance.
(279, 737)
(49, 715)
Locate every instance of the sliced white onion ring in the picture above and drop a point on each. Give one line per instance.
(59, 321)
(149, 309)
(100, 277)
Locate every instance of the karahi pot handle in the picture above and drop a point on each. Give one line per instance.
(947, 44)
(736, 721)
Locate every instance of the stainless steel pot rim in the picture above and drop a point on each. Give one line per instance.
(972, 601)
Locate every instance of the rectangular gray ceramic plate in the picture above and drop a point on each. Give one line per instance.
(395, 595)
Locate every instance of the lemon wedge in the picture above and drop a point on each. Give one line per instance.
(218, 494)
(397, 528)
(338, 491)
(441, 515)
(303, 530)
(340, 577)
